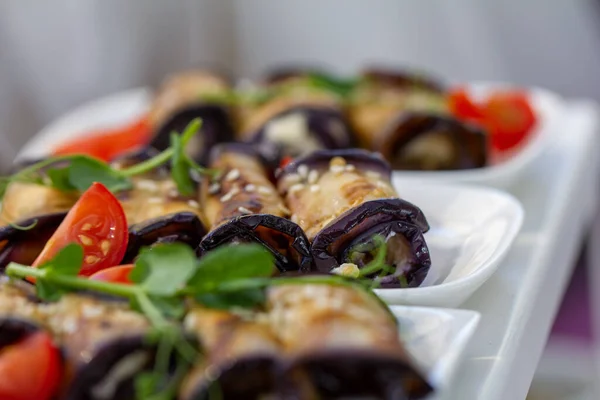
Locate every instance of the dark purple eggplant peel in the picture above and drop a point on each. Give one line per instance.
(282, 238)
(422, 141)
(23, 246)
(326, 125)
(216, 128)
(403, 79)
(350, 239)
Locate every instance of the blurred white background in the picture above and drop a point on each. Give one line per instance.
(56, 55)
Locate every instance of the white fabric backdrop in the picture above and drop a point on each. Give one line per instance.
(57, 54)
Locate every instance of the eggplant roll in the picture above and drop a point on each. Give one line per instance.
(344, 201)
(23, 201)
(242, 205)
(23, 246)
(242, 357)
(182, 227)
(189, 95)
(381, 96)
(422, 141)
(351, 348)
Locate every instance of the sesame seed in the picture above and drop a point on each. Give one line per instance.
(296, 187)
(155, 200)
(313, 176)
(315, 188)
(250, 187)
(303, 171)
(147, 184)
(291, 178)
(232, 175)
(373, 174)
(91, 311)
(264, 190)
(214, 188)
(173, 193)
(193, 203)
(294, 218)
(337, 161)
(244, 210)
(350, 167)
(85, 240)
(228, 196)
(336, 168)
(105, 246)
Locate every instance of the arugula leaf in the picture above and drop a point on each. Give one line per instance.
(67, 261)
(164, 269)
(229, 263)
(84, 171)
(250, 298)
(180, 167)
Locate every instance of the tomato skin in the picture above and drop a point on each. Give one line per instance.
(111, 143)
(463, 107)
(97, 222)
(510, 117)
(30, 369)
(285, 161)
(118, 274)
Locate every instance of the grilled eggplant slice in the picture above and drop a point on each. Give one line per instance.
(345, 203)
(189, 95)
(183, 227)
(244, 206)
(23, 201)
(23, 246)
(242, 357)
(352, 348)
(420, 141)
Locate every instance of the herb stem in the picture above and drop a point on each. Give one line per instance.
(150, 310)
(21, 271)
(148, 165)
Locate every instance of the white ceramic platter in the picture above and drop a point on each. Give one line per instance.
(472, 229)
(436, 339)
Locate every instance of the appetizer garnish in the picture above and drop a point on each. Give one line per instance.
(343, 200)
(116, 353)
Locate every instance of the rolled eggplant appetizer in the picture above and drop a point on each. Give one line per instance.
(424, 141)
(346, 204)
(352, 348)
(186, 96)
(23, 201)
(299, 118)
(242, 357)
(242, 205)
(23, 246)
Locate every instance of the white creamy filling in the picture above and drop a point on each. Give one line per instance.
(124, 369)
(292, 132)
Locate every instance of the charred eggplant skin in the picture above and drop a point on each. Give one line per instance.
(23, 246)
(14, 329)
(284, 239)
(217, 127)
(184, 227)
(377, 217)
(402, 79)
(469, 141)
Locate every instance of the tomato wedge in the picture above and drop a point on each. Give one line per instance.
(285, 161)
(510, 117)
(30, 369)
(463, 107)
(118, 274)
(96, 222)
(109, 144)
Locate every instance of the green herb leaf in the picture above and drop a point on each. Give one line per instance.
(228, 263)
(84, 171)
(171, 307)
(68, 261)
(164, 269)
(341, 87)
(48, 291)
(180, 167)
(251, 298)
(59, 179)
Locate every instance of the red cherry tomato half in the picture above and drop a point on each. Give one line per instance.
(118, 274)
(96, 222)
(509, 117)
(107, 145)
(463, 107)
(30, 369)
